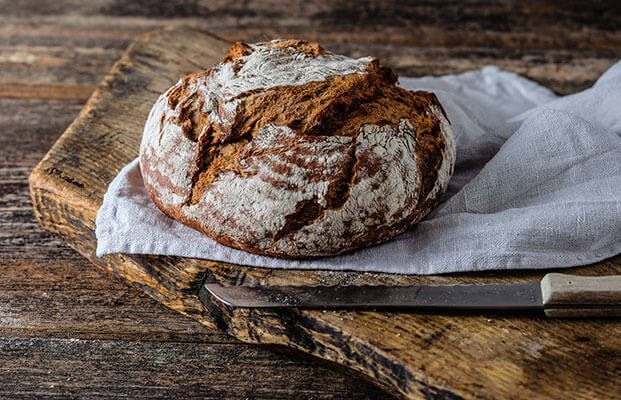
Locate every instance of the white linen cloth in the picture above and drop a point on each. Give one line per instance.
(537, 184)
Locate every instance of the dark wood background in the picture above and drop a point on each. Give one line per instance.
(66, 328)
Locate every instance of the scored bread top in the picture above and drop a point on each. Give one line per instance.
(289, 150)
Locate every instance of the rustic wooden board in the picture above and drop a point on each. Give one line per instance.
(162, 370)
(442, 355)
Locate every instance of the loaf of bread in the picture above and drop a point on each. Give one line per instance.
(288, 150)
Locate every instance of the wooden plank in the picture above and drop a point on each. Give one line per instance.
(37, 57)
(61, 368)
(56, 91)
(54, 293)
(563, 71)
(517, 355)
(56, 65)
(527, 24)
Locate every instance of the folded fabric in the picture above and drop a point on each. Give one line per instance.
(537, 184)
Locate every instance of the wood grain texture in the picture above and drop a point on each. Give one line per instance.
(568, 289)
(564, 47)
(499, 23)
(35, 368)
(601, 295)
(434, 355)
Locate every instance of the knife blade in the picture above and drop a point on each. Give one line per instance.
(559, 295)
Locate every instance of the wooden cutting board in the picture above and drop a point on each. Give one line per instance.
(444, 355)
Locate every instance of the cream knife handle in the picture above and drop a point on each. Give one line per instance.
(600, 296)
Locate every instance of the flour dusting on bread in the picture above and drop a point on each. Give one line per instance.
(286, 149)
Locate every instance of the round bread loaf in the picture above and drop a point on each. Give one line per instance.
(288, 150)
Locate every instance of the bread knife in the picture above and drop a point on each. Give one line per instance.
(558, 295)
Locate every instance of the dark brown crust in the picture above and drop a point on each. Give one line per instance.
(338, 106)
(239, 49)
(309, 48)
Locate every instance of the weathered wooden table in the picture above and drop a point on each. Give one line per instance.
(68, 329)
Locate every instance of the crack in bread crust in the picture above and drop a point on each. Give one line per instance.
(310, 211)
(340, 105)
(281, 138)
